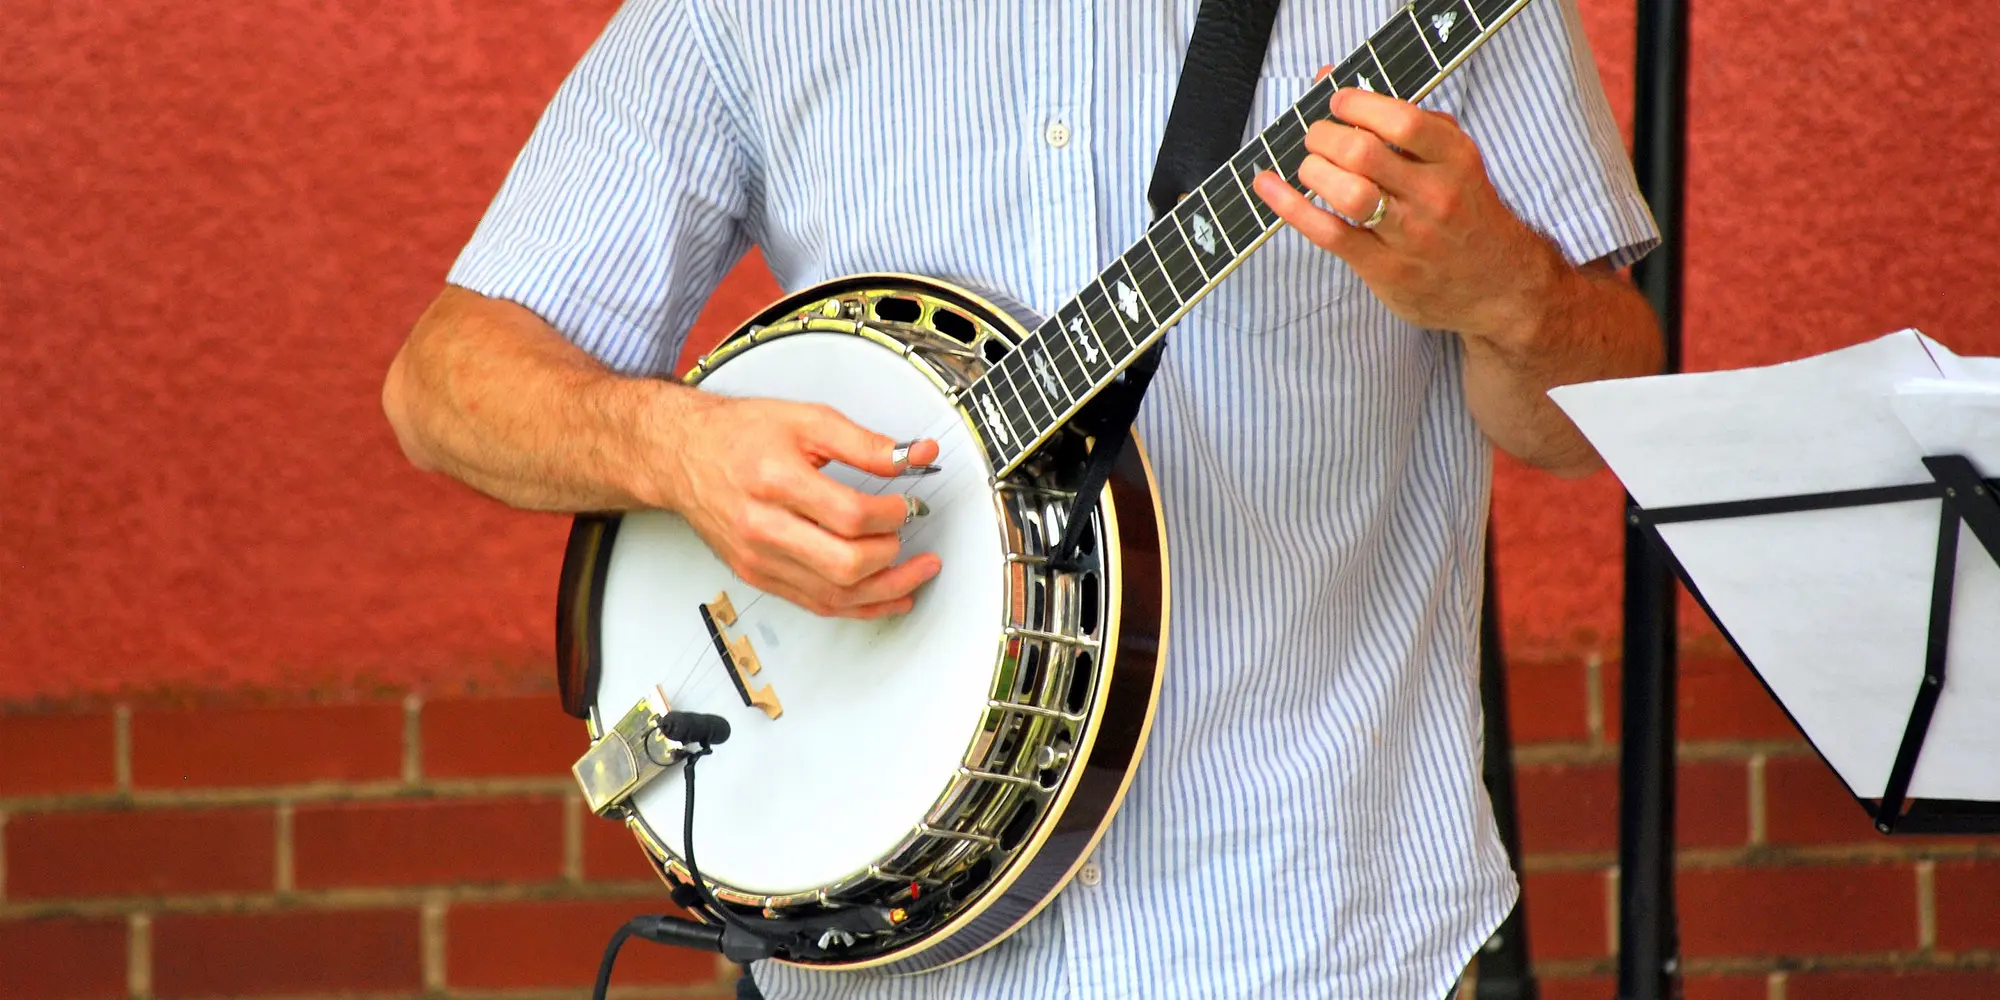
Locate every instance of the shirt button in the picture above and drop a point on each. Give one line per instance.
(1090, 874)
(1057, 135)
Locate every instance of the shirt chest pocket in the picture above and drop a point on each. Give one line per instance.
(1289, 280)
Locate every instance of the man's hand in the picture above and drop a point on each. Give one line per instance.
(1446, 253)
(748, 480)
(488, 393)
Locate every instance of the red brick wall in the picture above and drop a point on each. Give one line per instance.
(219, 221)
(411, 846)
(394, 847)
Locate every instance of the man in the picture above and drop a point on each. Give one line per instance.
(1309, 820)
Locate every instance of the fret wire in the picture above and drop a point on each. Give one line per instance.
(1425, 69)
(1137, 294)
(1447, 40)
(1247, 195)
(1219, 231)
(1014, 363)
(1394, 65)
(1395, 41)
(1175, 272)
(1451, 13)
(1020, 401)
(1053, 330)
(1056, 370)
(995, 406)
(1034, 349)
(1063, 373)
(1011, 413)
(1473, 10)
(1150, 251)
(1419, 25)
(1175, 244)
(1399, 74)
(1290, 143)
(1185, 238)
(1384, 70)
(1161, 263)
(1112, 307)
(1082, 322)
(1093, 301)
(1243, 211)
(1278, 165)
(1348, 72)
(1318, 100)
(1247, 172)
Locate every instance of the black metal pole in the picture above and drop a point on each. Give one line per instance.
(1504, 969)
(1648, 932)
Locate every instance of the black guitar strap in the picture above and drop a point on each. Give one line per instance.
(1204, 129)
(1212, 102)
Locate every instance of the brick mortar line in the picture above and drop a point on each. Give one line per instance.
(413, 740)
(1884, 961)
(431, 933)
(314, 792)
(679, 992)
(1706, 751)
(573, 819)
(121, 747)
(1766, 857)
(139, 956)
(1926, 876)
(646, 896)
(284, 878)
(683, 992)
(1760, 819)
(1593, 709)
(1613, 880)
(1877, 961)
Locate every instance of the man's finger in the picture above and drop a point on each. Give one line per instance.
(830, 435)
(838, 560)
(801, 562)
(843, 510)
(895, 583)
(1413, 130)
(1359, 151)
(1353, 244)
(1349, 194)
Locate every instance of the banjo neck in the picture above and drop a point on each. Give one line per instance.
(1037, 387)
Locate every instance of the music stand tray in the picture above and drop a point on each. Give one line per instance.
(1832, 517)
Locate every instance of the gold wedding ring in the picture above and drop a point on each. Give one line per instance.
(1381, 209)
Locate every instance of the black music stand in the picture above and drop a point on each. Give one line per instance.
(1966, 499)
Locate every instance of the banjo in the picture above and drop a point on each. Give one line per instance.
(900, 794)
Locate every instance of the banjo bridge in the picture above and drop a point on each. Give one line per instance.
(739, 658)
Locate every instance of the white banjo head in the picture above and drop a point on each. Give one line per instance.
(876, 716)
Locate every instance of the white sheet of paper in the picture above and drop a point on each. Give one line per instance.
(1831, 607)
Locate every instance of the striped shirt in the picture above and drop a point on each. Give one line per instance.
(1309, 819)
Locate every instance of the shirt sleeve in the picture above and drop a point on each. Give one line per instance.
(1534, 104)
(627, 205)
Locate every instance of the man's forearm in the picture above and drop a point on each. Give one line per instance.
(1590, 324)
(487, 393)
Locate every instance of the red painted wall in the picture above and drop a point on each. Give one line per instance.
(218, 220)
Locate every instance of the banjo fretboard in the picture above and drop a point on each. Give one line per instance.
(1038, 386)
